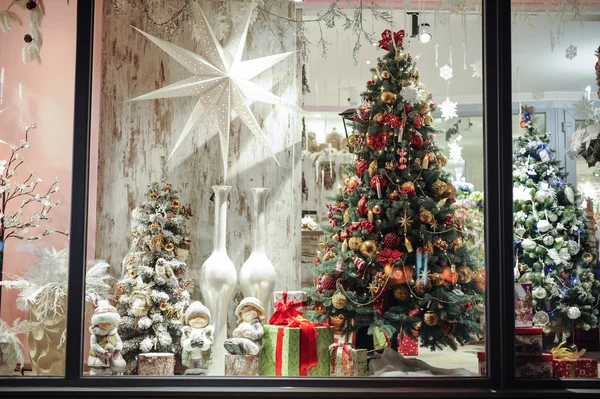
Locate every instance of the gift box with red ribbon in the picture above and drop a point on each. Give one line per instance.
(339, 338)
(293, 346)
(346, 361)
(408, 344)
(296, 299)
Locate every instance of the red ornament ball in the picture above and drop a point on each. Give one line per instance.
(361, 167)
(392, 240)
(328, 282)
(417, 141)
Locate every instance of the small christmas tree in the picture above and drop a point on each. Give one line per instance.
(394, 258)
(552, 239)
(154, 293)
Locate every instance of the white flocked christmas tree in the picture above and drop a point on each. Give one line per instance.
(155, 291)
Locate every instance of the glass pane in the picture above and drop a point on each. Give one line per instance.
(36, 125)
(556, 256)
(410, 271)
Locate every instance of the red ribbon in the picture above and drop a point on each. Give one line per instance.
(285, 311)
(278, 349)
(387, 36)
(347, 364)
(308, 344)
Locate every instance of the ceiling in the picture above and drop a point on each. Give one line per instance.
(534, 64)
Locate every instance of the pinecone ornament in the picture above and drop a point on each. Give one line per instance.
(392, 240)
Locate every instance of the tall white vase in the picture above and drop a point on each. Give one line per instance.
(257, 275)
(218, 279)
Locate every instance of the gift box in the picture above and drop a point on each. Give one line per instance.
(523, 305)
(481, 364)
(346, 361)
(528, 341)
(408, 344)
(575, 368)
(339, 338)
(297, 299)
(283, 352)
(534, 366)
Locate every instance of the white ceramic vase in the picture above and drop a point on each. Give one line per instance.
(257, 275)
(218, 279)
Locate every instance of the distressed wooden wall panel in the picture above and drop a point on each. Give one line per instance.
(135, 134)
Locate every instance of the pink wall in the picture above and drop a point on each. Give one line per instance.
(48, 101)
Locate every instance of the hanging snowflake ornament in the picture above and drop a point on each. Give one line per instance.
(411, 93)
(477, 69)
(221, 81)
(455, 150)
(448, 109)
(584, 109)
(446, 72)
(571, 52)
(538, 94)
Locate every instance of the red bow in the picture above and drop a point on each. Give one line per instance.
(387, 37)
(285, 311)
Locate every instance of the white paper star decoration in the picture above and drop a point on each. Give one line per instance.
(221, 81)
(448, 109)
(571, 52)
(446, 72)
(477, 70)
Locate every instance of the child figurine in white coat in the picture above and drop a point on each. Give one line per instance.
(247, 337)
(105, 344)
(197, 339)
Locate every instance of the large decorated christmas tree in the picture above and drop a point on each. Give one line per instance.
(554, 247)
(394, 258)
(154, 292)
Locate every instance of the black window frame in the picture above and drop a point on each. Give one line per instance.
(500, 378)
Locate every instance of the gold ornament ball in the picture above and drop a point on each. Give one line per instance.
(368, 248)
(423, 107)
(408, 186)
(425, 216)
(355, 243)
(377, 209)
(401, 293)
(421, 288)
(428, 120)
(385, 75)
(437, 279)
(430, 318)
(339, 301)
(388, 97)
(465, 274)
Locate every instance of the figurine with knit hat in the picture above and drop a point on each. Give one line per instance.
(247, 337)
(197, 339)
(105, 344)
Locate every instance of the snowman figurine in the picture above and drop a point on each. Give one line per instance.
(105, 344)
(197, 339)
(247, 337)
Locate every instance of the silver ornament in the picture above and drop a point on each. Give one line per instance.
(520, 230)
(569, 194)
(552, 217)
(573, 312)
(586, 285)
(541, 318)
(539, 293)
(543, 225)
(573, 247)
(547, 329)
(541, 196)
(548, 240)
(528, 244)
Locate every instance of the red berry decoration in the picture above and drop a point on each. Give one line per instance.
(328, 282)
(392, 240)
(417, 140)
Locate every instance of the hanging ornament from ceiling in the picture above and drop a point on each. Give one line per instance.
(571, 52)
(446, 72)
(221, 81)
(448, 109)
(455, 150)
(477, 69)
(538, 94)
